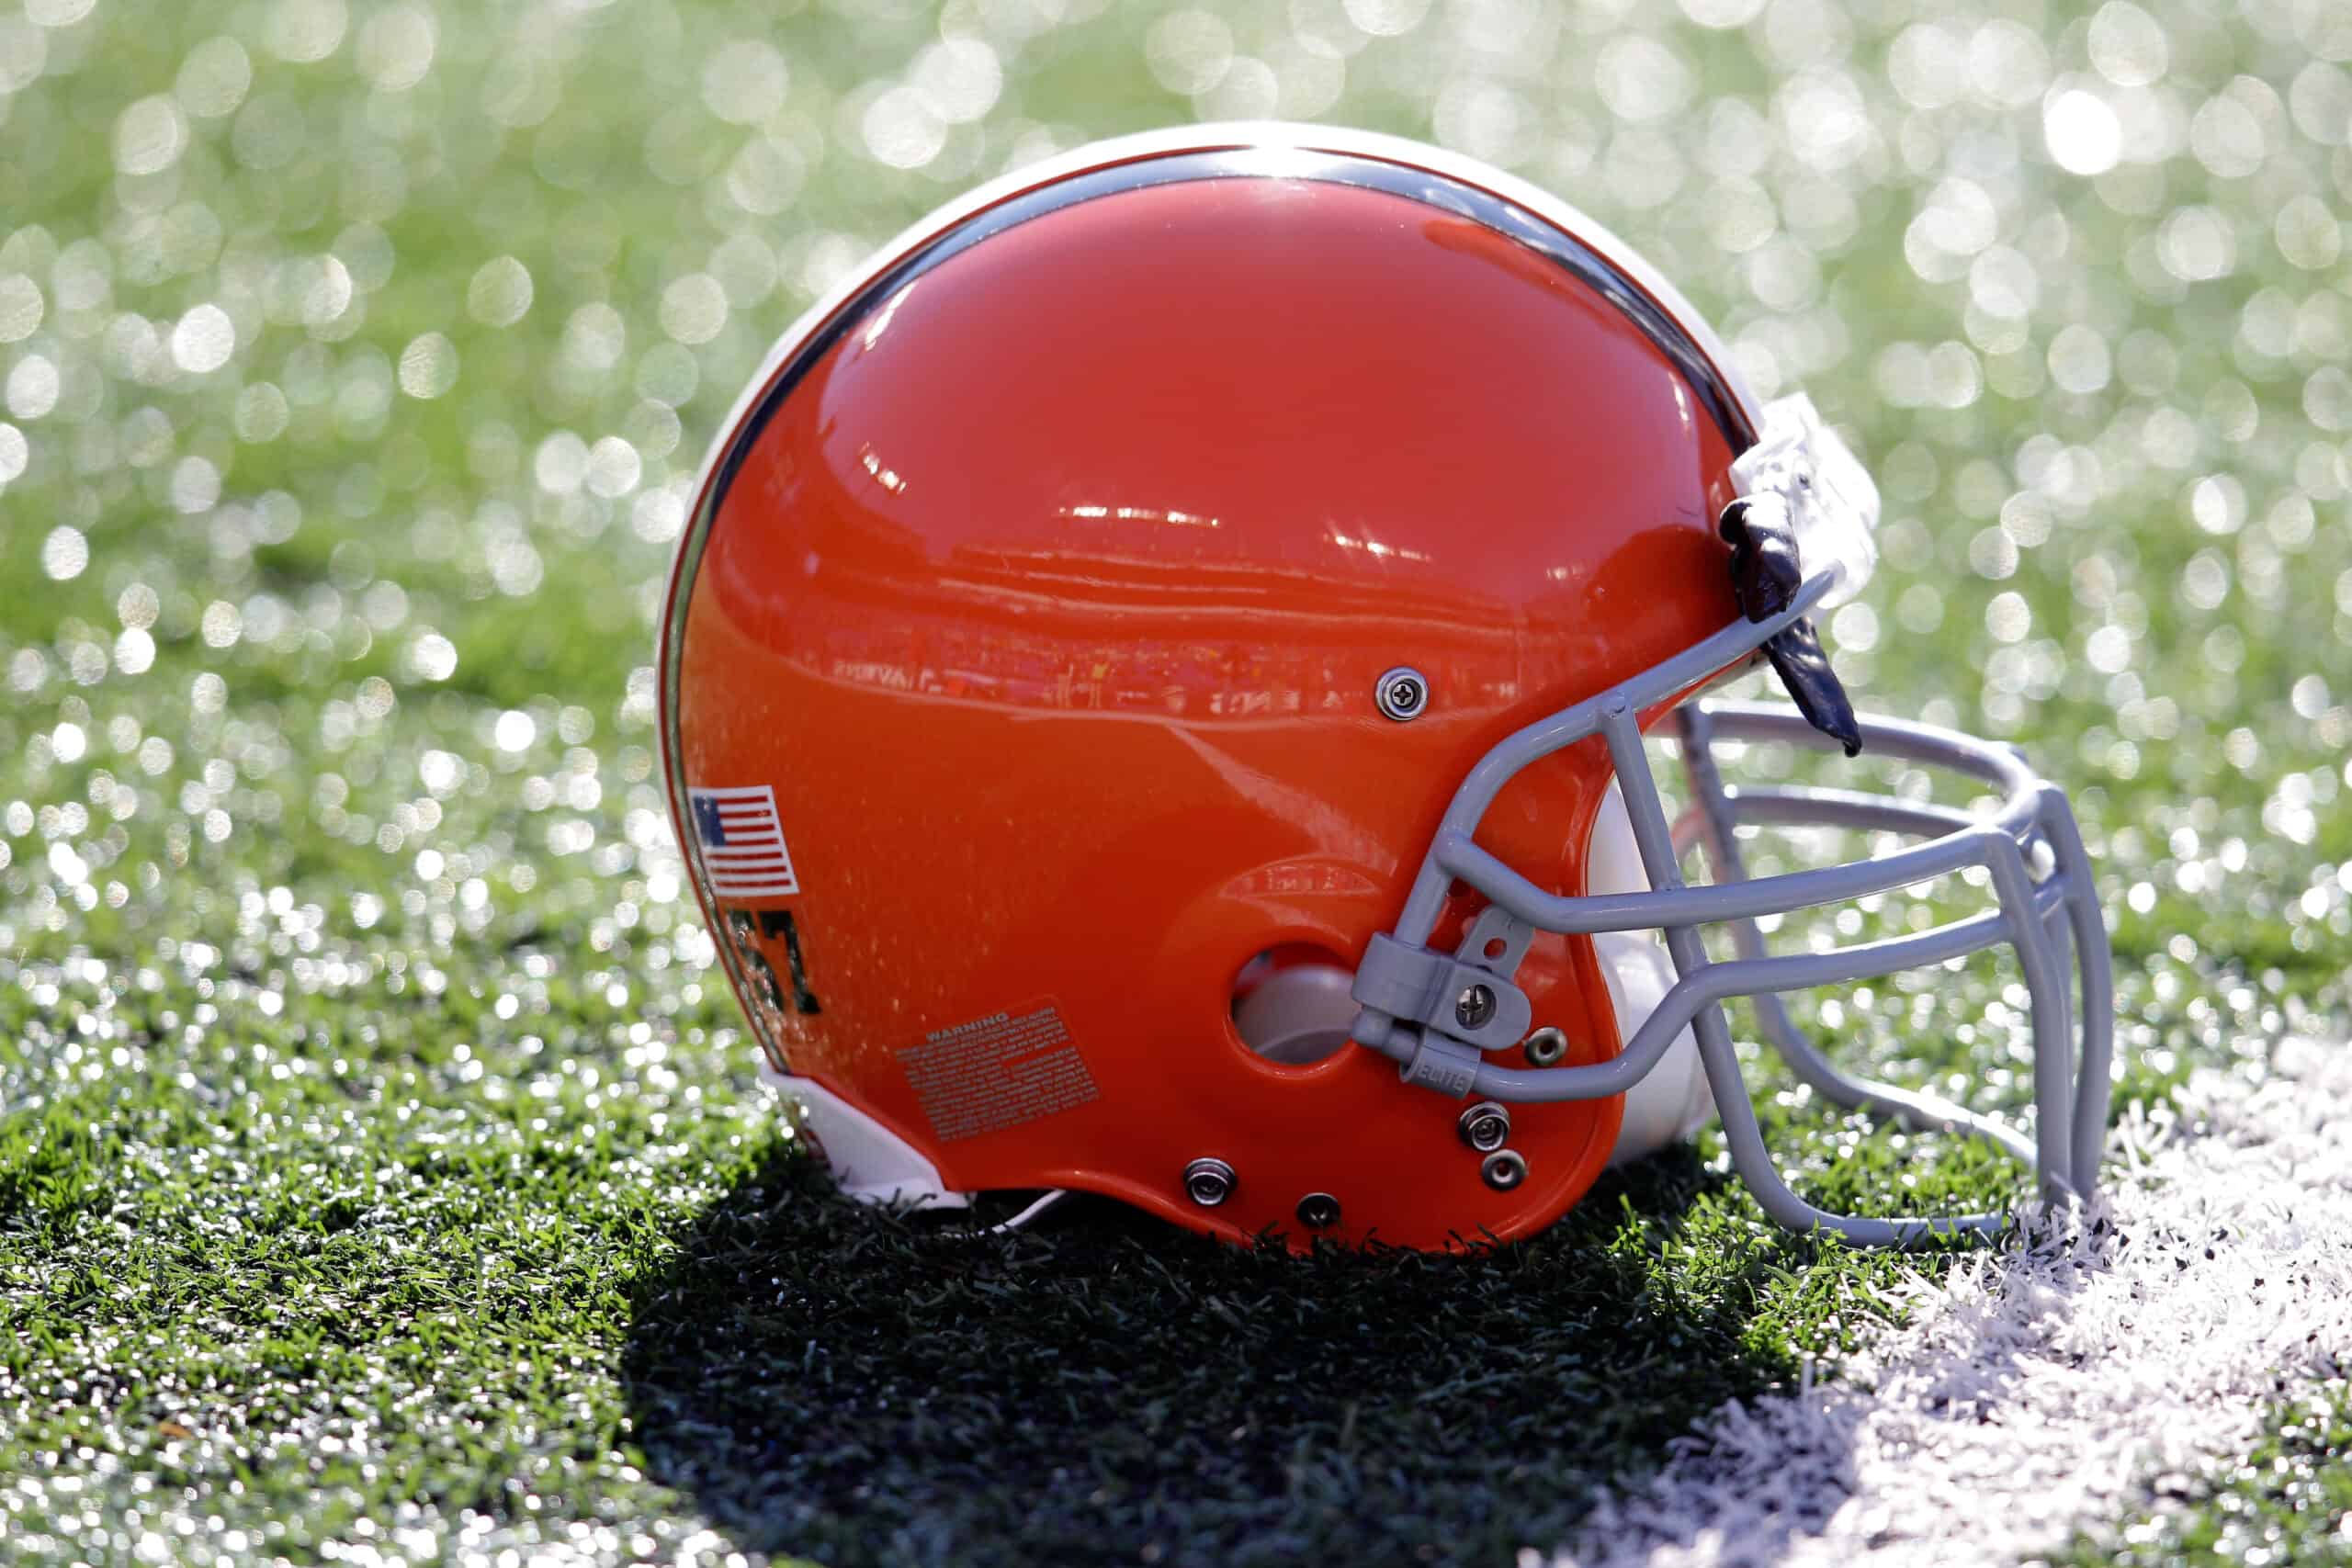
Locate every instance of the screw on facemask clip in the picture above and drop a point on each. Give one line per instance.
(1468, 1002)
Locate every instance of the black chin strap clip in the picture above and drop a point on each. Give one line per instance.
(1765, 577)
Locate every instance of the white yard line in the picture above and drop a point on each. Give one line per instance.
(2036, 1393)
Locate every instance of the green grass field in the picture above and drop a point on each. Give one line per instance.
(381, 1173)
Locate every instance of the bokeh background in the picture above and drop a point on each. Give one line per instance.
(360, 1058)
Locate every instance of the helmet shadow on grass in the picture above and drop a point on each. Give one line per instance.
(825, 1381)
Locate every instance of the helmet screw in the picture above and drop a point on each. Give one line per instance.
(1485, 1126)
(1402, 693)
(1208, 1182)
(1473, 1007)
(1504, 1169)
(1318, 1211)
(1546, 1046)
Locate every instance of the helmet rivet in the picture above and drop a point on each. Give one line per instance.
(1504, 1169)
(1208, 1182)
(1402, 693)
(1473, 1007)
(1318, 1211)
(1485, 1126)
(1546, 1046)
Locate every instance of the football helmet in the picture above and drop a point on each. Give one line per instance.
(1152, 692)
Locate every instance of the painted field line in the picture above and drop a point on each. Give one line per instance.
(2038, 1391)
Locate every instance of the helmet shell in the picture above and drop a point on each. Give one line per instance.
(1049, 579)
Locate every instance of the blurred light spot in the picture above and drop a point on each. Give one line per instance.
(2008, 617)
(960, 79)
(2327, 398)
(1823, 119)
(2079, 361)
(428, 366)
(2109, 649)
(208, 692)
(430, 657)
(613, 467)
(24, 49)
(261, 412)
(900, 130)
(1641, 79)
(311, 291)
(657, 516)
(2126, 45)
(366, 252)
(694, 308)
(1189, 52)
(764, 177)
(1387, 18)
(668, 373)
(560, 464)
(196, 485)
(396, 46)
(500, 293)
(1247, 90)
(2217, 504)
(58, 12)
(2196, 244)
(2205, 581)
(1920, 610)
(150, 136)
(32, 386)
(745, 268)
(134, 650)
(16, 452)
(220, 624)
(2226, 135)
(2002, 282)
(2084, 136)
(2308, 233)
(1855, 626)
(745, 81)
(214, 78)
(514, 731)
(1482, 118)
(64, 553)
(594, 337)
(203, 340)
(2320, 98)
(306, 30)
(20, 306)
(2006, 65)
(1993, 554)
(1921, 64)
(1721, 13)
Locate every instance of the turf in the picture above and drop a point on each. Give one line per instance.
(380, 1167)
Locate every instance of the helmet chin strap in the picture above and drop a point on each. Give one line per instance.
(1804, 498)
(1765, 577)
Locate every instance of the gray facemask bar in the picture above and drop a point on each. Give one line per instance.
(1438, 1014)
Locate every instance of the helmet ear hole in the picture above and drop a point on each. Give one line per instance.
(1292, 1004)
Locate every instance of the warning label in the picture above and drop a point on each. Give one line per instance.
(996, 1072)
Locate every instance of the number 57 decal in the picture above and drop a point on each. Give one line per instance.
(744, 927)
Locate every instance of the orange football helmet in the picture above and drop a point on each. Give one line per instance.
(1152, 692)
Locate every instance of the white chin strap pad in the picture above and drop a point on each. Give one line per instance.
(869, 1162)
(1671, 1102)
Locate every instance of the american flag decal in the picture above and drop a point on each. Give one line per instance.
(741, 841)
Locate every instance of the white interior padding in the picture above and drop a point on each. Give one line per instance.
(869, 1162)
(1671, 1102)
